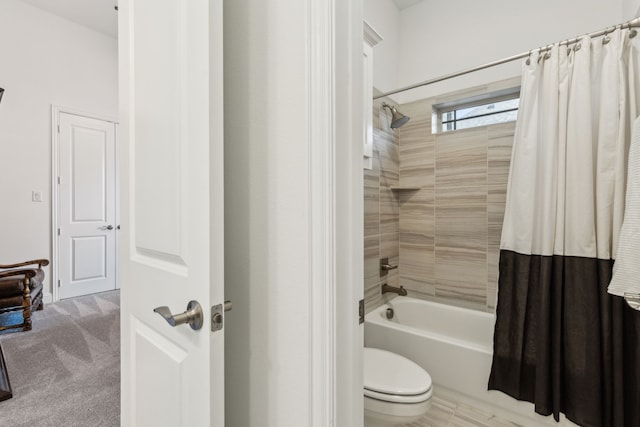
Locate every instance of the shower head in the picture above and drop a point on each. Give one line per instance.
(397, 118)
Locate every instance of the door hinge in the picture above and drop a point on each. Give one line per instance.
(361, 312)
(58, 128)
(58, 180)
(58, 231)
(58, 282)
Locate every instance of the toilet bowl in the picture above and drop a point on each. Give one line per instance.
(396, 389)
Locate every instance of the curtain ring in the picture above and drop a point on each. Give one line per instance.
(528, 61)
(606, 39)
(633, 33)
(577, 47)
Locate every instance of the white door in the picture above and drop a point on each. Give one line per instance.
(87, 211)
(171, 185)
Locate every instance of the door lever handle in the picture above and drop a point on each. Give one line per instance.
(106, 227)
(193, 316)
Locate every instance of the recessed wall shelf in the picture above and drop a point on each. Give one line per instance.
(405, 188)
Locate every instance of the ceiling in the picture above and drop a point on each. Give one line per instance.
(403, 4)
(98, 15)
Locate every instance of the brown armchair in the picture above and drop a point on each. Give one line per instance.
(20, 290)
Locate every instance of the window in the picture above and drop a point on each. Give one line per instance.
(484, 110)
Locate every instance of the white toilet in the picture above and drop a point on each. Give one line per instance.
(396, 389)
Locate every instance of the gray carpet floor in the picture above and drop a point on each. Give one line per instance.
(66, 371)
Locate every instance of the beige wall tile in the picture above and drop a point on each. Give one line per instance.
(372, 299)
(501, 130)
(389, 245)
(385, 142)
(417, 263)
(371, 261)
(417, 212)
(495, 216)
(417, 161)
(498, 161)
(445, 236)
(461, 228)
(417, 148)
(461, 158)
(381, 210)
(461, 276)
(420, 113)
(389, 211)
(371, 204)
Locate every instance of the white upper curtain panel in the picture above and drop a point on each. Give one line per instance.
(567, 182)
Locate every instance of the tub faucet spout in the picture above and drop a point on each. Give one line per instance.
(400, 291)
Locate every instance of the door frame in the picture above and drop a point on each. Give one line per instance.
(56, 110)
(335, 283)
(336, 214)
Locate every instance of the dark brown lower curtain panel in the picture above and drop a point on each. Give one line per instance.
(563, 343)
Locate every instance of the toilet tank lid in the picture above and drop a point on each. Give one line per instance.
(390, 373)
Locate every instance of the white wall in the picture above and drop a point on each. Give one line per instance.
(438, 37)
(384, 17)
(279, 123)
(266, 206)
(630, 9)
(44, 60)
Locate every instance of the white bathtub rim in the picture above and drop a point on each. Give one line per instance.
(439, 337)
(376, 317)
(402, 299)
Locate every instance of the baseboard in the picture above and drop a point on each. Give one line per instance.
(47, 298)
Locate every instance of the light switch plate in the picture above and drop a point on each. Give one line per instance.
(36, 196)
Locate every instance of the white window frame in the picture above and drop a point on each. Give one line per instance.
(474, 101)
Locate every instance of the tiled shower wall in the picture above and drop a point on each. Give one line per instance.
(381, 209)
(443, 226)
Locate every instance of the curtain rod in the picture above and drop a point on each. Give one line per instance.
(634, 23)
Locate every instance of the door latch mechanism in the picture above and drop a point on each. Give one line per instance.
(217, 316)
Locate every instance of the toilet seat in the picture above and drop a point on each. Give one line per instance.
(398, 399)
(393, 378)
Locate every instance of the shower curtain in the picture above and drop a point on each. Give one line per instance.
(561, 342)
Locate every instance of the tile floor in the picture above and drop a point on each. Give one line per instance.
(446, 413)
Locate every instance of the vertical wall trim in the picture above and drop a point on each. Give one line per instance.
(348, 217)
(55, 126)
(321, 98)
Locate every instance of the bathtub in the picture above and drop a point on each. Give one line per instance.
(453, 344)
